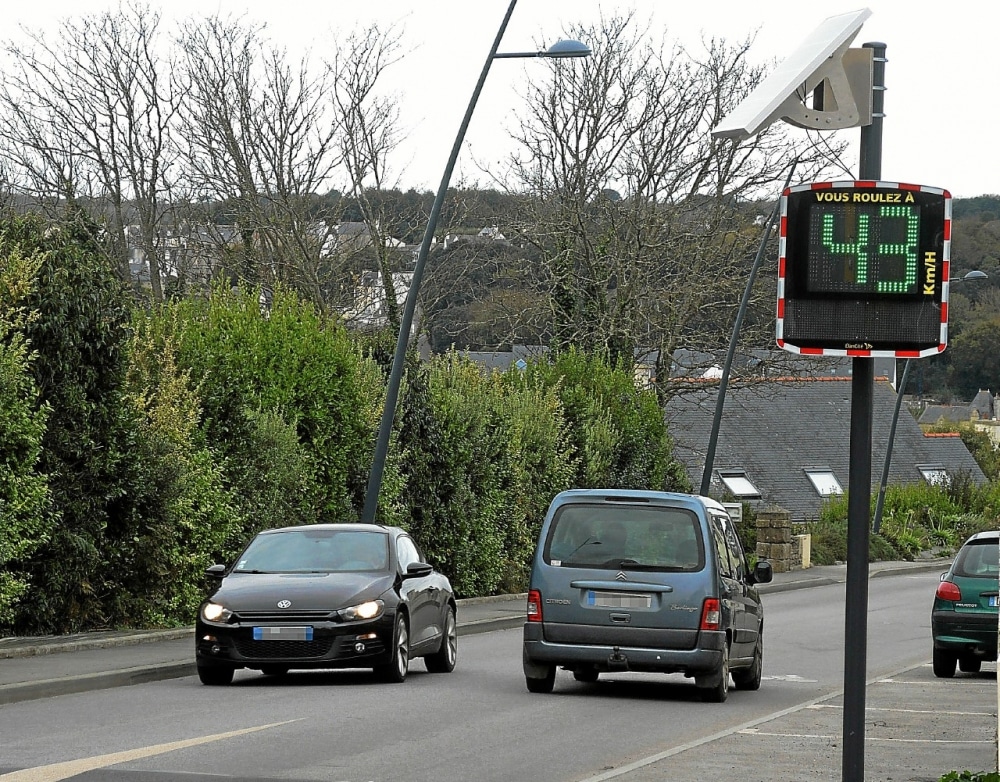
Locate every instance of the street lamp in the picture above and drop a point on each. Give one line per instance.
(562, 49)
(880, 502)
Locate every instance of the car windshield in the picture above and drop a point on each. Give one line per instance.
(978, 559)
(315, 551)
(613, 536)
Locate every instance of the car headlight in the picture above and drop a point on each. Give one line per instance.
(367, 610)
(213, 612)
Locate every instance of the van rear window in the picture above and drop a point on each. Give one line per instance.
(610, 536)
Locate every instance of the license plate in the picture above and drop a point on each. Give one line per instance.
(282, 633)
(993, 601)
(618, 599)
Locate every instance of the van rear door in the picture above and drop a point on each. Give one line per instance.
(623, 574)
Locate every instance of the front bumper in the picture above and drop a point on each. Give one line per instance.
(333, 645)
(705, 657)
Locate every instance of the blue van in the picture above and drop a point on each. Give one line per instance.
(626, 580)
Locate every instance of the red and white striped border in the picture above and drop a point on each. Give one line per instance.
(782, 251)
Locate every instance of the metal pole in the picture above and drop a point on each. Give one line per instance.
(713, 439)
(399, 358)
(860, 484)
(880, 502)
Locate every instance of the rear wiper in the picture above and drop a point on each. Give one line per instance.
(591, 540)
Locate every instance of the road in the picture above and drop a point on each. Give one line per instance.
(476, 723)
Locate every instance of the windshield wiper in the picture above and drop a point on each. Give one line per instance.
(591, 540)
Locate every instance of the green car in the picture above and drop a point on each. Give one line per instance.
(964, 616)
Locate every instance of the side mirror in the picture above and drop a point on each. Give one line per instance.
(215, 571)
(418, 570)
(763, 572)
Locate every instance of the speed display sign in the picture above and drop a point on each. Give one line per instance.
(863, 269)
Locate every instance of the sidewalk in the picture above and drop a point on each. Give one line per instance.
(41, 667)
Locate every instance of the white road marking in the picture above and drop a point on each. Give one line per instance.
(755, 732)
(70, 768)
(789, 677)
(909, 711)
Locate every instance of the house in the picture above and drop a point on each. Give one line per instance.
(518, 356)
(786, 441)
(185, 250)
(350, 237)
(768, 363)
(502, 360)
(981, 408)
(488, 234)
(368, 309)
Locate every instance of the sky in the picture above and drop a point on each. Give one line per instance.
(941, 113)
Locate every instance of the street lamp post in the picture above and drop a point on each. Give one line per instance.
(559, 50)
(880, 502)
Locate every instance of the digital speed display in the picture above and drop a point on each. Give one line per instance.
(864, 248)
(864, 268)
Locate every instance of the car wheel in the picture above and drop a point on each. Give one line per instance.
(274, 670)
(969, 664)
(215, 675)
(719, 691)
(749, 678)
(398, 666)
(545, 684)
(443, 660)
(944, 663)
(586, 674)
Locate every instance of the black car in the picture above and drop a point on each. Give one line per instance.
(327, 596)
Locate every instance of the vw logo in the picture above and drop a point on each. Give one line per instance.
(284, 604)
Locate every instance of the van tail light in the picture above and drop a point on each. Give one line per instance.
(534, 606)
(948, 591)
(711, 614)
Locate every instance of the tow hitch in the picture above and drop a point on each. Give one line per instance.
(617, 661)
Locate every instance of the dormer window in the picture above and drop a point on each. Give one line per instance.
(824, 481)
(934, 474)
(739, 484)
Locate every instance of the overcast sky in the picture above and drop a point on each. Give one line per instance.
(941, 107)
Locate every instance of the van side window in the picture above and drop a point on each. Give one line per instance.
(735, 548)
(722, 546)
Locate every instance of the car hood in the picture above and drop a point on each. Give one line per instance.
(306, 591)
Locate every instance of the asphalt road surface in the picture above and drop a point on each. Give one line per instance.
(478, 723)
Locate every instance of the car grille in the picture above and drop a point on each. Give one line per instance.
(282, 617)
(284, 650)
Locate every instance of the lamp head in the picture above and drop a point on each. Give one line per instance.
(567, 48)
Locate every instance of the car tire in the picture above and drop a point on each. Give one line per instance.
(749, 678)
(588, 675)
(444, 659)
(970, 664)
(399, 662)
(944, 663)
(719, 691)
(215, 675)
(545, 684)
(274, 670)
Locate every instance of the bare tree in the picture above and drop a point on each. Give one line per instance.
(644, 222)
(258, 136)
(85, 120)
(369, 133)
